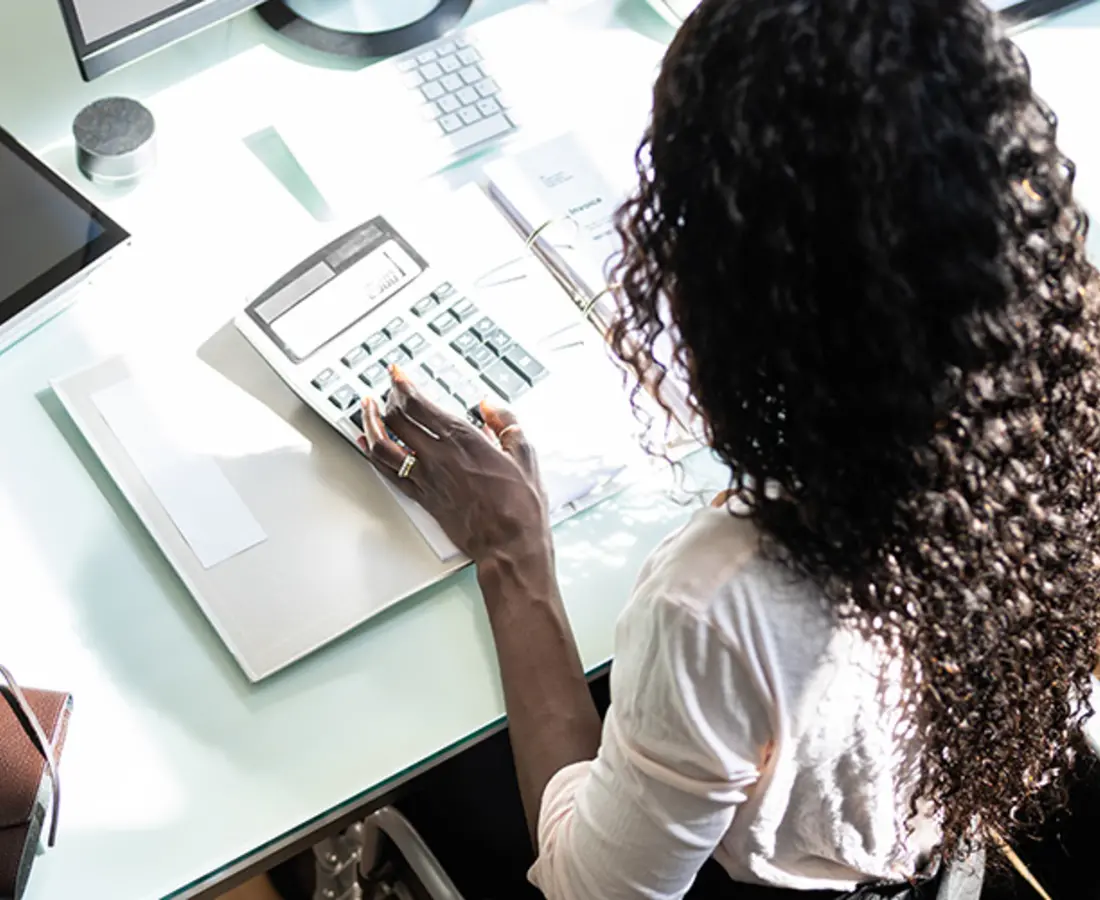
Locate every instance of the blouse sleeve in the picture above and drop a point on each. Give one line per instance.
(682, 742)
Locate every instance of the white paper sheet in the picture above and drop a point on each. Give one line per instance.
(196, 495)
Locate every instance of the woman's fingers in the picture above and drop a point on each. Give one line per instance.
(505, 427)
(405, 398)
(386, 455)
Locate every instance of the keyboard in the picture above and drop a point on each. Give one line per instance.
(461, 98)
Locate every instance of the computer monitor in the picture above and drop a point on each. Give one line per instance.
(108, 34)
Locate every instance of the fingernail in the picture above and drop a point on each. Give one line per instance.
(396, 374)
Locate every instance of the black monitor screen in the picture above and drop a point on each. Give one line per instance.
(48, 232)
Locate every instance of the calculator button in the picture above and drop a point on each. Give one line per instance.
(324, 379)
(395, 357)
(355, 357)
(443, 291)
(467, 393)
(469, 114)
(467, 96)
(375, 375)
(505, 380)
(434, 364)
(529, 368)
(481, 358)
(499, 341)
(450, 63)
(448, 104)
(424, 306)
(471, 74)
(446, 48)
(463, 309)
(464, 343)
(414, 344)
(396, 327)
(451, 83)
(469, 56)
(433, 90)
(375, 342)
(484, 327)
(344, 398)
(431, 71)
(450, 378)
(426, 57)
(444, 324)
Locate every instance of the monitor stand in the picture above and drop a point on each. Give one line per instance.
(363, 28)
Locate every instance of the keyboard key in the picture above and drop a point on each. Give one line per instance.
(324, 379)
(481, 358)
(424, 305)
(375, 376)
(434, 364)
(464, 343)
(355, 357)
(499, 341)
(450, 63)
(426, 57)
(407, 64)
(451, 83)
(484, 327)
(357, 418)
(344, 398)
(529, 368)
(450, 123)
(467, 96)
(395, 327)
(443, 324)
(433, 90)
(471, 74)
(487, 88)
(463, 309)
(469, 115)
(414, 344)
(437, 395)
(375, 342)
(413, 80)
(505, 380)
(395, 357)
(431, 71)
(447, 48)
(479, 132)
(469, 56)
(448, 104)
(444, 291)
(488, 106)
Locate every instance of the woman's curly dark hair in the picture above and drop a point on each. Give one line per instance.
(874, 271)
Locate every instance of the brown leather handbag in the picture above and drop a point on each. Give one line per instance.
(32, 732)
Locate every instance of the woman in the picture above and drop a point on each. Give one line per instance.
(870, 657)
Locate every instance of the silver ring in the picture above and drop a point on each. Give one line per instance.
(406, 465)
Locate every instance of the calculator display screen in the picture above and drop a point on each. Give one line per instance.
(328, 293)
(341, 302)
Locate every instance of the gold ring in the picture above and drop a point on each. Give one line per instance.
(406, 465)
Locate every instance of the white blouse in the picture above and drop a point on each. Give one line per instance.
(744, 724)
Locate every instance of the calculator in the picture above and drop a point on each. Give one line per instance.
(333, 325)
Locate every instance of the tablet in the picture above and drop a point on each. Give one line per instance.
(51, 237)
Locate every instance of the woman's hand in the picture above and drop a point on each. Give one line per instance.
(486, 497)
